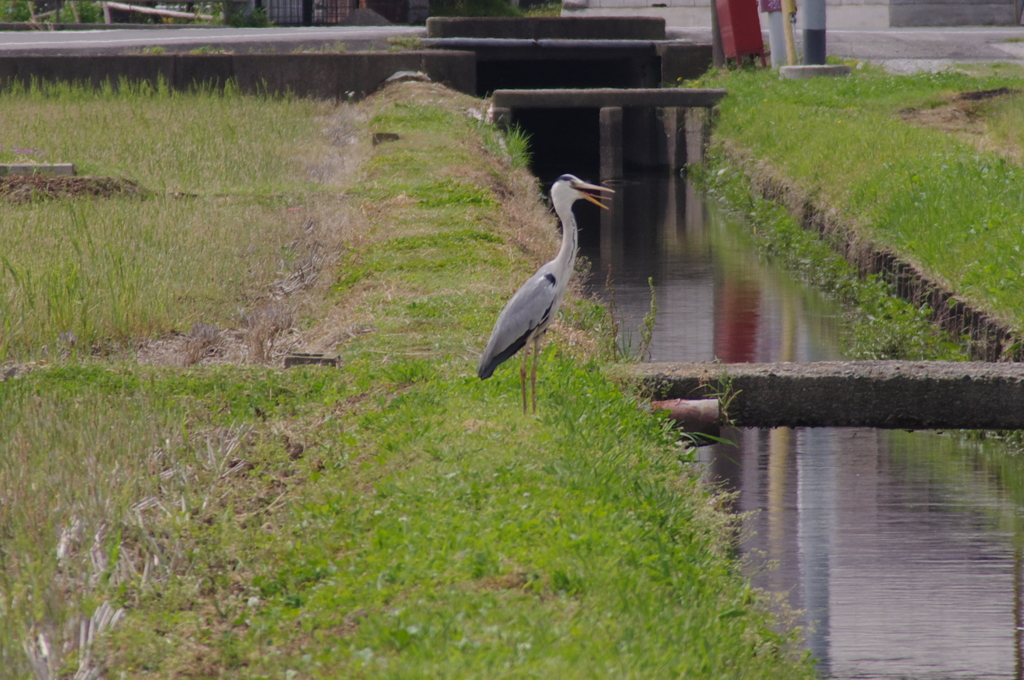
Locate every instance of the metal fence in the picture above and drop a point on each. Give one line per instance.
(329, 12)
(307, 12)
(280, 12)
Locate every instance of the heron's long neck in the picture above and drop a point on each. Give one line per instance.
(567, 253)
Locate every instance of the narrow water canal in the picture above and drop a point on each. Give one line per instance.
(902, 551)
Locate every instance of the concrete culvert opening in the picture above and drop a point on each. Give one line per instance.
(562, 140)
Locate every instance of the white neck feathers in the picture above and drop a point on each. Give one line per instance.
(563, 208)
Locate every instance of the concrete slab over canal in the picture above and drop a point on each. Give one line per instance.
(919, 395)
(550, 63)
(551, 52)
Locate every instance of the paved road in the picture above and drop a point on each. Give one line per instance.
(918, 49)
(905, 50)
(127, 40)
(900, 50)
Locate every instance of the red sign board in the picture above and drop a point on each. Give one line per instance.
(741, 29)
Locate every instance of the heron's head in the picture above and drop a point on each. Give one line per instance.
(571, 188)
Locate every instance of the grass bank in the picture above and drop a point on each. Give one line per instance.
(918, 165)
(221, 517)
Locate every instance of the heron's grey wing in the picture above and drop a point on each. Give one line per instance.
(529, 309)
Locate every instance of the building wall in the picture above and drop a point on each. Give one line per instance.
(840, 14)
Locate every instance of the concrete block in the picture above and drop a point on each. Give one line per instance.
(8, 71)
(813, 71)
(325, 76)
(456, 70)
(643, 138)
(697, 124)
(683, 61)
(212, 70)
(610, 121)
(362, 73)
(303, 359)
(383, 137)
(538, 28)
(36, 169)
(673, 121)
(306, 75)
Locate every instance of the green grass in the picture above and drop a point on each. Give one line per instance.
(421, 544)
(233, 181)
(930, 196)
(394, 518)
(111, 272)
(206, 142)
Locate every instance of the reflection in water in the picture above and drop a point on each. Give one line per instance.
(891, 542)
(903, 550)
(714, 298)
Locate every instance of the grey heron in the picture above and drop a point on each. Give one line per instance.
(531, 310)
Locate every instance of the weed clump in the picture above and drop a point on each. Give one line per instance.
(26, 188)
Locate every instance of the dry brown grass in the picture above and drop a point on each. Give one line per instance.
(25, 188)
(978, 118)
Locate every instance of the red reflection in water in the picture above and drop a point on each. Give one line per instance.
(737, 318)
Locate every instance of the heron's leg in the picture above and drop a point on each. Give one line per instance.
(533, 374)
(522, 375)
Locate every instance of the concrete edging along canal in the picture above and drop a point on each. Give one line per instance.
(990, 339)
(881, 394)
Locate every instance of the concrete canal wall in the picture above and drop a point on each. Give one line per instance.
(328, 76)
(917, 395)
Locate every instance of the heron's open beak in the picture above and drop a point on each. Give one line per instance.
(585, 188)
